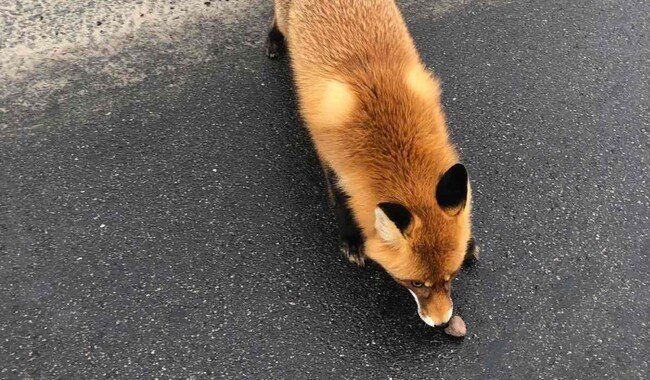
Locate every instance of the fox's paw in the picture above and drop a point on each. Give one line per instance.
(353, 251)
(274, 43)
(472, 253)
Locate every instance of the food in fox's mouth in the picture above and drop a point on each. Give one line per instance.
(456, 327)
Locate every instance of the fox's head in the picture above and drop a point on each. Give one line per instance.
(423, 246)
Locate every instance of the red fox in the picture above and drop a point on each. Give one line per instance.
(373, 111)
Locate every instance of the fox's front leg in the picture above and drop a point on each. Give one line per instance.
(472, 253)
(351, 242)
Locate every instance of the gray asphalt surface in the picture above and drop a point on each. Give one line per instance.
(176, 226)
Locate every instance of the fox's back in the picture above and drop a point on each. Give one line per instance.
(371, 107)
(337, 34)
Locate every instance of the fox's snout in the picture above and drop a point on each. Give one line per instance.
(437, 310)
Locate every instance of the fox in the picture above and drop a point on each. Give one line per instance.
(400, 194)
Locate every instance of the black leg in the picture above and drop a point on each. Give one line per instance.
(471, 255)
(274, 42)
(350, 238)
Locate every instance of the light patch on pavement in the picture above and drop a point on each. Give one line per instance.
(93, 37)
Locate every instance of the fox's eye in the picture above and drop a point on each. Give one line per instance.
(416, 284)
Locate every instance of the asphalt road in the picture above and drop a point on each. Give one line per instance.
(162, 212)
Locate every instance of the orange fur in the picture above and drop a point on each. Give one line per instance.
(374, 114)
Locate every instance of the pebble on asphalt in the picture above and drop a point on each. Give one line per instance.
(456, 327)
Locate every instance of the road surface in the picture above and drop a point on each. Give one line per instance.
(162, 213)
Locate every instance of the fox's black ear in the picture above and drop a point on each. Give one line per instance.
(398, 214)
(451, 192)
(391, 222)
